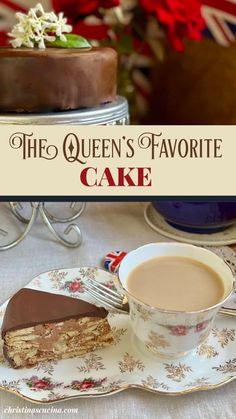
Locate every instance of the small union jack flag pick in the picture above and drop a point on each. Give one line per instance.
(113, 260)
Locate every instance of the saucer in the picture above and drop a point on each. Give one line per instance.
(123, 365)
(158, 223)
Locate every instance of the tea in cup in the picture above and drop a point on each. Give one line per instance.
(174, 292)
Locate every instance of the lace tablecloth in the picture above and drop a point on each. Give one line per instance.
(105, 227)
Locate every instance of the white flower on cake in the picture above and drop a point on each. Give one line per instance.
(37, 27)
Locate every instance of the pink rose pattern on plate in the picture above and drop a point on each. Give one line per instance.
(73, 286)
(35, 383)
(77, 286)
(65, 380)
(85, 384)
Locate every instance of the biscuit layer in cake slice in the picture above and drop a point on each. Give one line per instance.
(40, 326)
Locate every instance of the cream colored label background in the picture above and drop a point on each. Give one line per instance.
(178, 176)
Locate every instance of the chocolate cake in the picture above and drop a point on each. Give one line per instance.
(40, 326)
(56, 79)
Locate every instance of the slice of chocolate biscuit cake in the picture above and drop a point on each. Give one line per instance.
(40, 326)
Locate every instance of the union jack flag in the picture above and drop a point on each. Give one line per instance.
(113, 260)
(220, 18)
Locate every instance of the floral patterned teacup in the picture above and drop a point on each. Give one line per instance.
(172, 333)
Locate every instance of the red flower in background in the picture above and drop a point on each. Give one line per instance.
(181, 18)
(3, 38)
(75, 8)
(98, 32)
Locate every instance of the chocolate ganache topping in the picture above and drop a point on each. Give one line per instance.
(30, 307)
(56, 79)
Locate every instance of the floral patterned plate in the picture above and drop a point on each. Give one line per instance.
(125, 364)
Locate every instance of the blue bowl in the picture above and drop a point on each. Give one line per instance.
(198, 217)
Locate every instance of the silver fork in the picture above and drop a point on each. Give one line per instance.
(118, 301)
(104, 295)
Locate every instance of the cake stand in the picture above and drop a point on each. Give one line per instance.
(114, 113)
(39, 208)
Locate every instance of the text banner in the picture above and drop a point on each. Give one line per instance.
(117, 160)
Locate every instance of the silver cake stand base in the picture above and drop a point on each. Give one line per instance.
(39, 208)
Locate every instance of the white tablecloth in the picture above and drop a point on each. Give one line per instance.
(105, 227)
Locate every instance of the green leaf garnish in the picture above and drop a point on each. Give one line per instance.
(72, 41)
